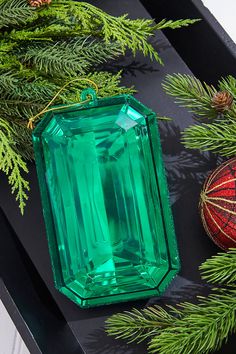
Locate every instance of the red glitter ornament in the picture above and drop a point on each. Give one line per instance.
(218, 205)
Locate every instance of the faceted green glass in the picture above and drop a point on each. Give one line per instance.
(109, 224)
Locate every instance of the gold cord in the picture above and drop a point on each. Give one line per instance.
(31, 121)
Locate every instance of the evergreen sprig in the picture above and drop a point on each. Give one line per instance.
(186, 328)
(191, 93)
(228, 84)
(42, 48)
(221, 268)
(71, 57)
(12, 164)
(217, 133)
(131, 34)
(203, 328)
(163, 24)
(22, 97)
(15, 12)
(139, 325)
(217, 137)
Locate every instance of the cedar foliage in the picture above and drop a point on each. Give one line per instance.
(43, 48)
(186, 328)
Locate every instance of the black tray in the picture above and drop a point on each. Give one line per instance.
(48, 321)
(206, 48)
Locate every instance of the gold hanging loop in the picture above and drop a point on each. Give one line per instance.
(31, 120)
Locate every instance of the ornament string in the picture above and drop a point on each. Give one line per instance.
(46, 109)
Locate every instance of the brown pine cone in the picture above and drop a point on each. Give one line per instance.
(47, 2)
(38, 3)
(222, 101)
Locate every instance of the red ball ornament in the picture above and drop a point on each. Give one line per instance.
(218, 205)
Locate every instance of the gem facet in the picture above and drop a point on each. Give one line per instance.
(105, 201)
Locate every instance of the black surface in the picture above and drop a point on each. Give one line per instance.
(28, 300)
(205, 47)
(54, 321)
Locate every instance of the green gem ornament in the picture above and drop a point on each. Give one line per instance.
(105, 201)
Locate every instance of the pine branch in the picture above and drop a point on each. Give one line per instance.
(80, 18)
(7, 59)
(70, 58)
(132, 34)
(18, 109)
(221, 268)
(202, 329)
(136, 326)
(21, 97)
(45, 33)
(163, 24)
(40, 48)
(22, 137)
(17, 86)
(109, 84)
(191, 93)
(185, 329)
(216, 137)
(12, 165)
(228, 84)
(15, 12)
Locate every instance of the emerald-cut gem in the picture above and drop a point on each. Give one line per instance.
(105, 201)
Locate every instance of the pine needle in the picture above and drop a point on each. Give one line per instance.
(189, 92)
(220, 269)
(41, 48)
(186, 328)
(69, 58)
(202, 329)
(131, 34)
(163, 24)
(228, 84)
(219, 137)
(15, 12)
(136, 326)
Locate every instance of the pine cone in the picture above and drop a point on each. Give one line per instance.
(222, 101)
(38, 3)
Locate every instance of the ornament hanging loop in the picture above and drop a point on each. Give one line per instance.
(86, 95)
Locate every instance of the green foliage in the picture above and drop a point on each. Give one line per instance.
(163, 24)
(221, 268)
(191, 93)
(23, 97)
(228, 84)
(186, 328)
(139, 325)
(217, 137)
(12, 164)
(71, 57)
(202, 328)
(83, 19)
(218, 134)
(43, 48)
(131, 34)
(24, 86)
(15, 12)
